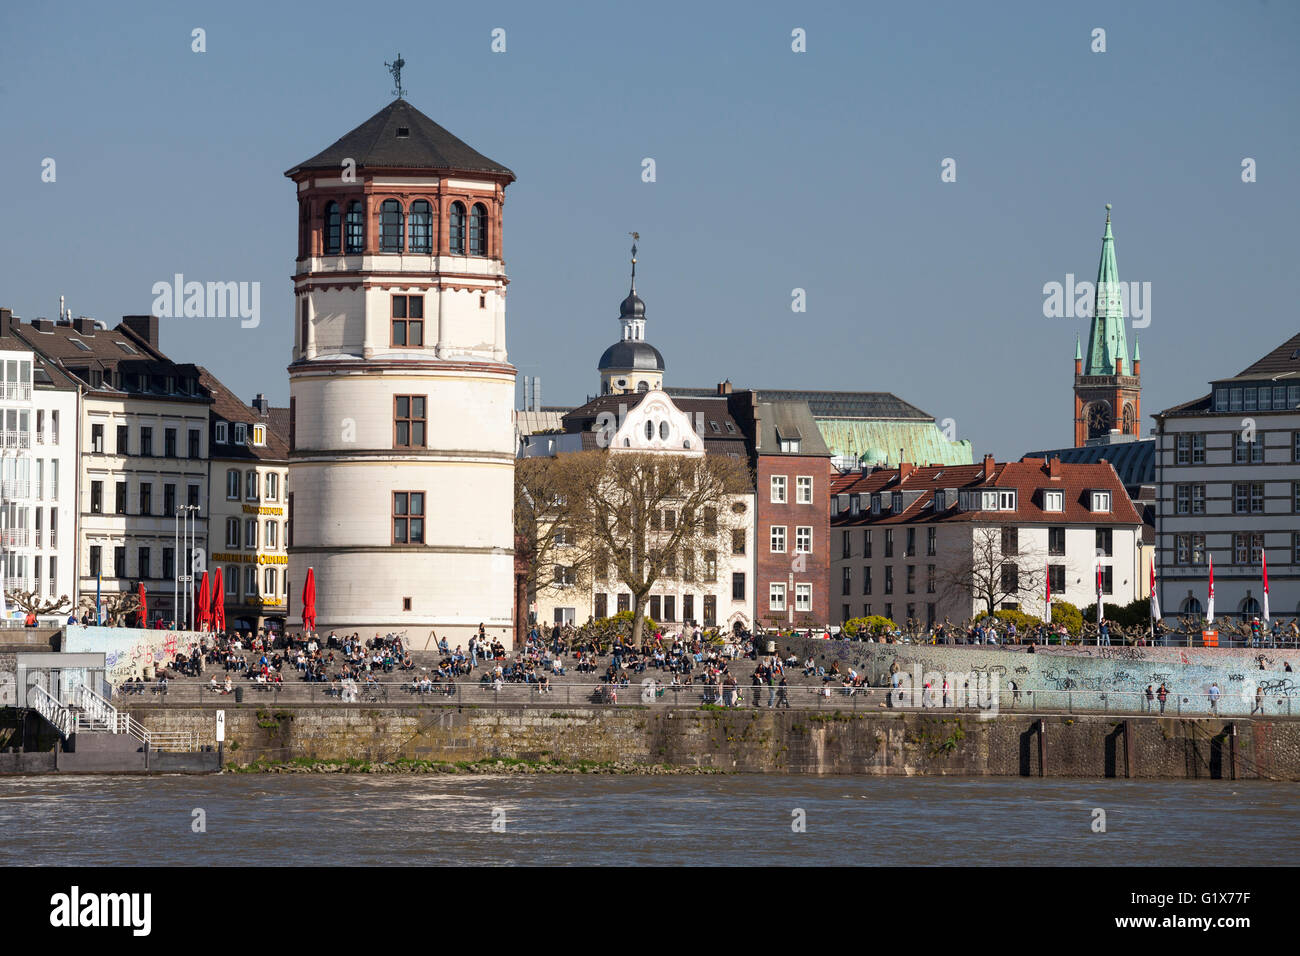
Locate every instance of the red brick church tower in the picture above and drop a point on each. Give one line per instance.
(1107, 388)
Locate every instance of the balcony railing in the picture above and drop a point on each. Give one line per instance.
(15, 488)
(17, 392)
(10, 439)
(14, 537)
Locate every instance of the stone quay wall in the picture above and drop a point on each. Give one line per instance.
(751, 741)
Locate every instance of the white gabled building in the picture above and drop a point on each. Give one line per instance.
(901, 535)
(1228, 474)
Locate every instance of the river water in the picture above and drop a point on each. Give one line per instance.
(364, 820)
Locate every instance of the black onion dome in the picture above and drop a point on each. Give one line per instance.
(632, 307)
(630, 354)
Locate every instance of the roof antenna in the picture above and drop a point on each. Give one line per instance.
(395, 68)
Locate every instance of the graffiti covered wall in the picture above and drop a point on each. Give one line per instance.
(127, 650)
(1108, 679)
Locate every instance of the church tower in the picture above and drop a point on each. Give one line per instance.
(631, 364)
(401, 445)
(1107, 387)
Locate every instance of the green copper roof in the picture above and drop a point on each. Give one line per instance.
(1078, 350)
(921, 442)
(1137, 349)
(1106, 341)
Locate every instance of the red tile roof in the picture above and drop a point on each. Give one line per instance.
(1025, 477)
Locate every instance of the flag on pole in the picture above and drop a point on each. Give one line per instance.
(1209, 610)
(1047, 598)
(1264, 563)
(1155, 600)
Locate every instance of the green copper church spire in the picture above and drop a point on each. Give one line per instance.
(1106, 341)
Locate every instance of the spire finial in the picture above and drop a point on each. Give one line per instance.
(636, 236)
(1107, 213)
(395, 68)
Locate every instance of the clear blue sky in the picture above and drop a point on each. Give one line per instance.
(775, 170)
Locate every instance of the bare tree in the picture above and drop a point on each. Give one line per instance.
(644, 516)
(116, 606)
(29, 602)
(545, 537)
(995, 570)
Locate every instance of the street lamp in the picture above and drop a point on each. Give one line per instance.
(182, 591)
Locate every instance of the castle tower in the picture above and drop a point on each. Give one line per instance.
(1107, 388)
(401, 471)
(631, 364)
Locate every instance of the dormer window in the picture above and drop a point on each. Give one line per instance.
(897, 503)
(1101, 501)
(790, 445)
(939, 503)
(241, 433)
(856, 502)
(1053, 500)
(1006, 501)
(403, 132)
(259, 434)
(221, 433)
(875, 504)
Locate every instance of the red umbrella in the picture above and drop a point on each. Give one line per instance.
(143, 615)
(309, 602)
(218, 601)
(202, 618)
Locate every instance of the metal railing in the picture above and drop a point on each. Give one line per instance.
(47, 706)
(648, 690)
(99, 714)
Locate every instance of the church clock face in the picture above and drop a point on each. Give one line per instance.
(1099, 419)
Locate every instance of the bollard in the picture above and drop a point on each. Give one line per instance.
(1042, 747)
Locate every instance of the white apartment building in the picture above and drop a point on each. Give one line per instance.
(1228, 476)
(903, 536)
(141, 434)
(17, 426)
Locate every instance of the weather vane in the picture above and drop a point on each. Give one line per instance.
(635, 236)
(395, 68)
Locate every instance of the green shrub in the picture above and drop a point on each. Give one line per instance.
(862, 626)
(1063, 612)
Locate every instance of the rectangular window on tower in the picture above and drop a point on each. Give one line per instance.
(408, 421)
(408, 321)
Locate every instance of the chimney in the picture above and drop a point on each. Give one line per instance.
(724, 388)
(262, 405)
(1054, 468)
(7, 321)
(85, 325)
(988, 467)
(145, 326)
(905, 471)
(537, 393)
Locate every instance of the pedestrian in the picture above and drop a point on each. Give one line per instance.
(782, 694)
(1259, 700)
(1162, 695)
(1147, 707)
(1214, 697)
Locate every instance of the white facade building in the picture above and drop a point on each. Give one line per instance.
(401, 435)
(1228, 472)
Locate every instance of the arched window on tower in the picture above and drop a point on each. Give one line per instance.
(332, 229)
(456, 229)
(1129, 423)
(355, 228)
(643, 386)
(478, 230)
(421, 226)
(390, 226)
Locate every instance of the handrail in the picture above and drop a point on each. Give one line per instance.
(49, 707)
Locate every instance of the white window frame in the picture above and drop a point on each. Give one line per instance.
(1053, 500)
(259, 434)
(776, 536)
(221, 433)
(776, 596)
(1100, 498)
(800, 533)
(803, 597)
(803, 490)
(778, 488)
(241, 433)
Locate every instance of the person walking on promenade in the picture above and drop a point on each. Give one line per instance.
(1214, 697)
(946, 696)
(1162, 695)
(1259, 701)
(782, 694)
(771, 687)
(1147, 707)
